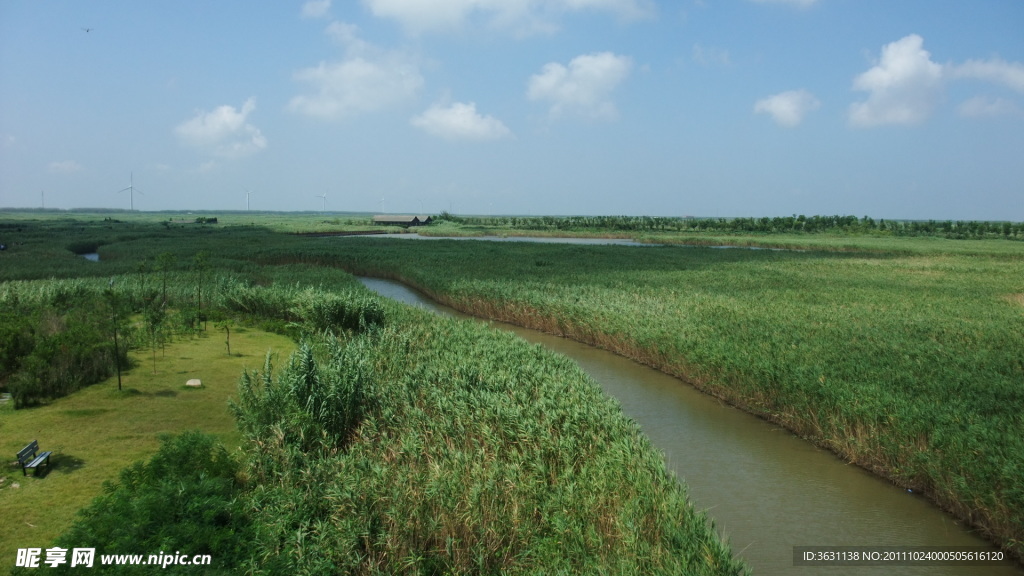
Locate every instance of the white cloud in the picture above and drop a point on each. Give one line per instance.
(420, 15)
(905, 85)
(316, 8)
(223, 132)
(797, 3)
(584, 87)
(902, 88)
(460, 122)
(366, 79)
(355, 85)
(520, 15)
(1010, 74)
(65, 167)
(981, 106)
(347, 36)
(788, 108)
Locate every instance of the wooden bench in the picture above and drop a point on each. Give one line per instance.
(28, 458)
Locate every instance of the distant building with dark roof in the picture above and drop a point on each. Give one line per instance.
(402, 220)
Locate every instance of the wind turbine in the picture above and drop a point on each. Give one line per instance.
(247, 192)
(131, 192)
(324, 196)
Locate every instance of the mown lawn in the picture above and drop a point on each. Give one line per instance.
(97, 431)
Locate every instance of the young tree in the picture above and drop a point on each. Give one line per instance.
(143, 269)
(164, 263)
(155, 314)
(201, 263)
(225, 325)
(117, 323)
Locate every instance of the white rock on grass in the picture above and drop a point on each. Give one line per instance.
(194, 383)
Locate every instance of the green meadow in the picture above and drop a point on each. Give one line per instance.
(97, 431)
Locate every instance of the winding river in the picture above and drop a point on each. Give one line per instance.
(767, 490)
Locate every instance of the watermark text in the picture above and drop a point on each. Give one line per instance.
(87, 558)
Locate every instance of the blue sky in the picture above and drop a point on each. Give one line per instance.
(910, 109)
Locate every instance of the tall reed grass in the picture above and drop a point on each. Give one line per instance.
(457, 449)
(907, 364)
(394, 441)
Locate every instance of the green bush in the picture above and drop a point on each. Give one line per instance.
(16, 336)
(54, 351)
(183, 499)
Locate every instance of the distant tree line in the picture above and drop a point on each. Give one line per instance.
(958, 229)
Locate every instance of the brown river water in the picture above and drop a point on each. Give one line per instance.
(767, 490)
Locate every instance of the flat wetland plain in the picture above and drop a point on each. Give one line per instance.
(903, 355)
(401, 443)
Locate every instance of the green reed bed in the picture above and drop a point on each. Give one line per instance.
(910, 365)
(405, 444)
(434, 446)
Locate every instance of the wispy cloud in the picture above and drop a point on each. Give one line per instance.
(520, 16)
(316, 8)
(366, 79)
(460, 121)
(902, 87)
(710, 56)
(355, 85)
(995, 70)
(223, 132)
(583, 87)
(984, 106)
(788, 108)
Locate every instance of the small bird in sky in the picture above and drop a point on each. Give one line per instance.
(87, 30)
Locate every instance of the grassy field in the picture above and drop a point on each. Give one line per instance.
(97, 431)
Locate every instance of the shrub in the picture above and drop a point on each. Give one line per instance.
(183, 499)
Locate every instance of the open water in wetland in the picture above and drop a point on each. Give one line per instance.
(538, 239)
(766, 489)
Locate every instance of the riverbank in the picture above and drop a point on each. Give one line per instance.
(432, 445)
(730, 460)
(909, 357)
(415, 445)
(847, 350)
